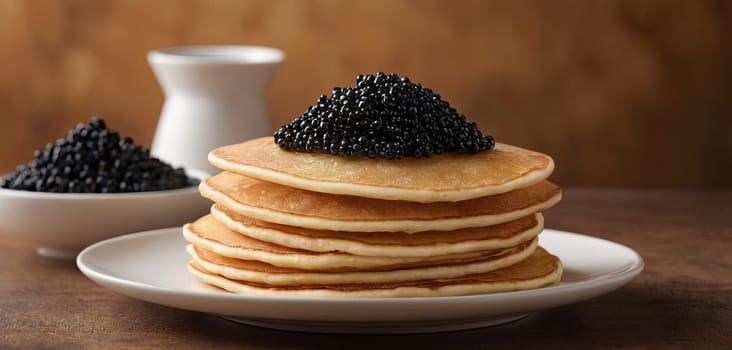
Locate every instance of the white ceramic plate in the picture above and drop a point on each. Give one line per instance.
(151, 266)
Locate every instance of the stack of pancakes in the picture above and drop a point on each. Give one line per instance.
(319, 225)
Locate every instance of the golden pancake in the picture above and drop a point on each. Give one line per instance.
(443, 177)
(210, 234)
(387, 244)
(538, 270)
(294, 207)
(259, 272)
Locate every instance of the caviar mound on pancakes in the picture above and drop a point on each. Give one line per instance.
(95, 159)
(384, 116)
(378, 190)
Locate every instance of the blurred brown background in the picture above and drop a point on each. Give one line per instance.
(621, 93)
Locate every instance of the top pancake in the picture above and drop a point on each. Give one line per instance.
(446, 177)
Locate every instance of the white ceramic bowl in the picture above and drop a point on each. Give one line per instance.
(64, 223)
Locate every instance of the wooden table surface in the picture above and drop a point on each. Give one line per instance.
(683, 298)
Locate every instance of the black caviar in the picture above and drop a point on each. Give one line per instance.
(384, 116)
(94, 159)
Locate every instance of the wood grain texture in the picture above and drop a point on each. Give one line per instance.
(680, 301)
(631, 93)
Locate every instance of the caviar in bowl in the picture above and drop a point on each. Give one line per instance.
(62, 224)
(91, 185)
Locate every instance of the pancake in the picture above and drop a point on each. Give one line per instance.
(386, 244)
(443, 177)
(210, 234)
(294, 207)
(259, 272)
(538, 270)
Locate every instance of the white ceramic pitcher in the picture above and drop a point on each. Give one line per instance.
(214, 95)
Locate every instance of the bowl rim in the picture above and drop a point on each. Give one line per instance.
(195, 174)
